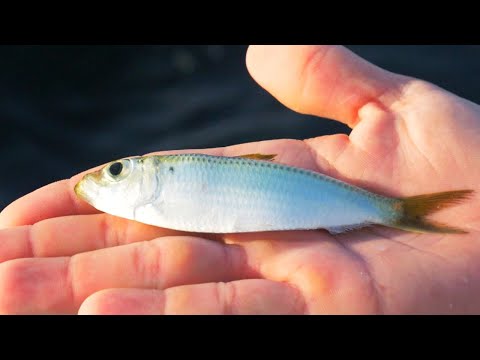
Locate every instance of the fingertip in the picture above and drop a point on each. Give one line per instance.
(98, 303)
(52, 200)
(29, 286)
(9, 218)
(275, 66)
(8, 289)
(122, 302)
(254, 57)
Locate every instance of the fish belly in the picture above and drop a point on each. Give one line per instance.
(243, 196)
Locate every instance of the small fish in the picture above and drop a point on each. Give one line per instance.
(212, 194)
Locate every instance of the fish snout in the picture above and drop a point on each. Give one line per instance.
(78, 189)
(81, 187)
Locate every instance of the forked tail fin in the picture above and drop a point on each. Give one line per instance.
(414, 210)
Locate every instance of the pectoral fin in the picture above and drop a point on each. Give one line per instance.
(267, 157)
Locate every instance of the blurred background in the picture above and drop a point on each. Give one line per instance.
(64, 109)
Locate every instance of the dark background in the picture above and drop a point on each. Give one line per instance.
(64, 109)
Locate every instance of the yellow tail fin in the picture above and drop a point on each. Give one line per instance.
(415, 209)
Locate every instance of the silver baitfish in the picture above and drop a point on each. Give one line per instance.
(212, 194)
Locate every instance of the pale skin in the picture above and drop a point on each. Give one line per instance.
(59, 255)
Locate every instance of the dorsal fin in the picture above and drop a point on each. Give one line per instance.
(267, 157)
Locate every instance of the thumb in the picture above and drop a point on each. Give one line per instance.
(327, 81)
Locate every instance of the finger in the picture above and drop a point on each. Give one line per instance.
(60, 285)
(243, 297)
(327, 81)
(70, 235)
(323, 269)
(52, 200)
(58, 199)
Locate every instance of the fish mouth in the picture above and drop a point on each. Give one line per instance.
(79, 188)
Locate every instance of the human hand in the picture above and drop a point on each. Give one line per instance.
(59, 255)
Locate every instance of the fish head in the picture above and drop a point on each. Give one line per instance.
(115, 188)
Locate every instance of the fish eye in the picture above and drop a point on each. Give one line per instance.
(118, 170)
(115, 169)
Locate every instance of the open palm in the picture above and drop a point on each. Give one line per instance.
(59, 255)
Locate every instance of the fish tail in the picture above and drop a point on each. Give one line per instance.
(413, 211)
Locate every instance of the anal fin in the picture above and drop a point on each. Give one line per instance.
(344, 228)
